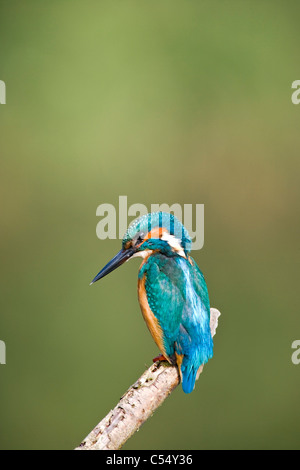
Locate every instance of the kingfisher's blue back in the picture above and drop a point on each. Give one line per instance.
(177, 295)
(172, 291)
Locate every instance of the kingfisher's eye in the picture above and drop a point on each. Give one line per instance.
(140, 238)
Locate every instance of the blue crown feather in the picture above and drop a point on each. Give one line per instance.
(147, 222)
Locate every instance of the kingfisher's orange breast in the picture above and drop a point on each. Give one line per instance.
(149, 317)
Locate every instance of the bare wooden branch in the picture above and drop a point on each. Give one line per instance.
(137, 404)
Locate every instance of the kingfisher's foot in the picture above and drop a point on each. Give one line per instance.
(161, 357)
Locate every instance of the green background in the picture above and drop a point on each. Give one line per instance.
(183, 102)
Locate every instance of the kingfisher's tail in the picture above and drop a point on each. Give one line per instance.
(189, 367)
(188, 374)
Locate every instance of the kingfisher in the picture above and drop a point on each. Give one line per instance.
(172, 292)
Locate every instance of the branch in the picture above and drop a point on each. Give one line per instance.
(138, 404)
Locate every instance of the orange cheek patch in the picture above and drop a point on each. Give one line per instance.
(156, 232)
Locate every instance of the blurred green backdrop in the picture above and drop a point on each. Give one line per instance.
(169, 101)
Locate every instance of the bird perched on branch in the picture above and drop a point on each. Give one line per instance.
(172, 292)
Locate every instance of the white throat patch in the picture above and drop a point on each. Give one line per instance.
(174, 243)
(142, 254)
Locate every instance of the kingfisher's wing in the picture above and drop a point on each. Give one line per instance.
(178, 300)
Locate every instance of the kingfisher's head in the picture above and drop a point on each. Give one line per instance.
(157, 231)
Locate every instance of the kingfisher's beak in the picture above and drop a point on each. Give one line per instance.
(113, 264)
